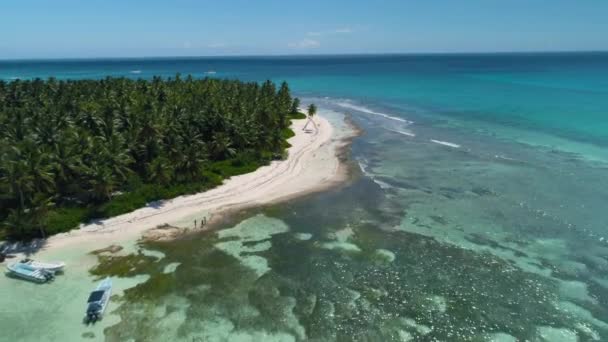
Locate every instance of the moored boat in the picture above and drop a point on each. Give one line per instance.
(98, 301)
(27, 272)
(47, 266)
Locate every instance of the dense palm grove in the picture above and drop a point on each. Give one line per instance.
(76, 150)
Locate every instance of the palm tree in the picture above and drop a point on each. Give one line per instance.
(41, 203)
(190, 166)
(101, 183)
(283, 104)
(295, 105)
(117, 157)
(312, 110)
(221, 146)
(67, 161)
(17, 222)
(20, 183)
(160, 171)
(39, 167)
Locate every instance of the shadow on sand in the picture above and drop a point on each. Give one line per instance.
(8, 249)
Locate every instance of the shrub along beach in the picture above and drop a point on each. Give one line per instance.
(72, 151)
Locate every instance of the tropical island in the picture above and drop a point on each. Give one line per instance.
(77, 150)
(101, 168)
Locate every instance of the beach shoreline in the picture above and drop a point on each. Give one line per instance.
(316, 162)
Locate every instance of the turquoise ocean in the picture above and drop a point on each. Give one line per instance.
(478, 209)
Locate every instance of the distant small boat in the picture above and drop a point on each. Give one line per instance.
(211, 72)
(27, 272)
(98, 301)
(47, 266)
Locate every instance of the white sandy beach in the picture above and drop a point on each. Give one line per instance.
(312, 165)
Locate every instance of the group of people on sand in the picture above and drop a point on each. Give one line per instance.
(203, 222)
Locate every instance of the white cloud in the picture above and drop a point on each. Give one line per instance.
(305, 44)
(342, 30)
(216, 45)
(187, 45)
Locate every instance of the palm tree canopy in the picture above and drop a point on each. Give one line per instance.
(77, 143)
(312, 110)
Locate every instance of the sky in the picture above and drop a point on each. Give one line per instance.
(137, 28)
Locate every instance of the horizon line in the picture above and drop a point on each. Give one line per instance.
(151, 57)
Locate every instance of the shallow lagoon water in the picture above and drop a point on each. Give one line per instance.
(55, 311)
(429, 242)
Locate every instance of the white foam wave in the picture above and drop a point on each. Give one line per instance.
(135, 71)
(498, 156)
(381, 184)
(402, 132)
(369, 111)
(363, 166)
(445, 143)
(210, 72)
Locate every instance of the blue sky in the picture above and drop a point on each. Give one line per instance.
(119, 28)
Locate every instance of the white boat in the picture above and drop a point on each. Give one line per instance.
(47, 266)
(98, 301)
(27, 272)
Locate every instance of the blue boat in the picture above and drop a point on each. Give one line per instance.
(98, 301)
(28, 272)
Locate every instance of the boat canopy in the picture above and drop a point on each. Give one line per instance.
(95, 296)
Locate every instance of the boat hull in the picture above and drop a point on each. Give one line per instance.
(29, 273)
(98, 301)
(51, 266)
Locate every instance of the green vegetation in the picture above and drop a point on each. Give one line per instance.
(311, 110)
(72, 151)
(124, 266)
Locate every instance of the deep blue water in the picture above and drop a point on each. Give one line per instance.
(563, 94)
